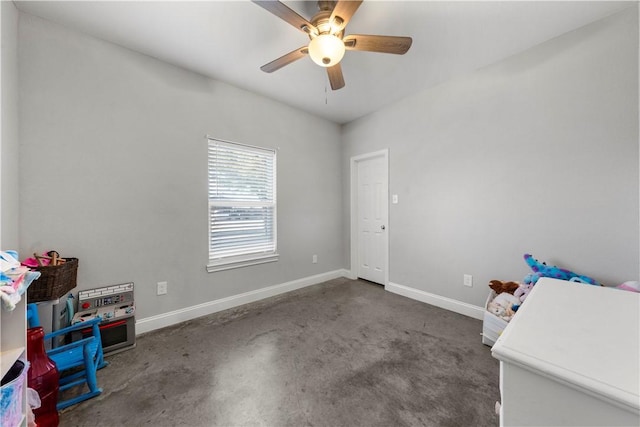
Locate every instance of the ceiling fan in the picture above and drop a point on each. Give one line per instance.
(328, 42)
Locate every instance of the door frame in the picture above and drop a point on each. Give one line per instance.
(354, 212)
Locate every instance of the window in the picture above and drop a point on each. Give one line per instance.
(242, 205)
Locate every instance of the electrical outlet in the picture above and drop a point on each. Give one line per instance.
(468, 280)
(162, 288)
(314, 259)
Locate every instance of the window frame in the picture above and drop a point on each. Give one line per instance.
(220, 263)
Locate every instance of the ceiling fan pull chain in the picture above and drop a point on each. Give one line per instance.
(325, 93)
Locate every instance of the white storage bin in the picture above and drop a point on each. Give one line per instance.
(492, 325)
(11, 394)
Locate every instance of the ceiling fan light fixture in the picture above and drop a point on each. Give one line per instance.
(326, 50)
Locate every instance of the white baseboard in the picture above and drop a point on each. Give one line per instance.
(151, 323)
(437, 300)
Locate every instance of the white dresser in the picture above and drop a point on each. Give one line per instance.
(571, 357)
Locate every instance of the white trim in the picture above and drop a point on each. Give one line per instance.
(212, 138)
(249, 260)
(151, 323)
(353, 273)
(350, 274)
(437, 300)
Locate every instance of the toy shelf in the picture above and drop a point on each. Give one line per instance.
(13, 338)
(8, 357)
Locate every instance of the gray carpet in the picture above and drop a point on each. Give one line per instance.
(341, 353)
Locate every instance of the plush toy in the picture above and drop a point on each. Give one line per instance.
(540, 269)
(523, 291)
(506, 300)
(505, 313)
(499, 286)
(502, 304)
(631, 286)
(497, 310)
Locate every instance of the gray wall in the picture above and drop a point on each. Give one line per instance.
(536, 154)
(9, 142)
(113, 169)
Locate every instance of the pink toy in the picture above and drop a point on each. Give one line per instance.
(631, 286)
(33, 263)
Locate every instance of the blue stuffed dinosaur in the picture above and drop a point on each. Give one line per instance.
(540, 269)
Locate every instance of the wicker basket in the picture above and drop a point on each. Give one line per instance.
(54, 281)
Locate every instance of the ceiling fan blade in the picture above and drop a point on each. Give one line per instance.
(382, 44)
(344, 10)
(286, 14)
(285, 60)
(335, 77)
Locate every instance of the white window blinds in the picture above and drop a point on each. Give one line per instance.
(242, 204)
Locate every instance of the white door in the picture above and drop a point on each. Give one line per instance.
(372, 212)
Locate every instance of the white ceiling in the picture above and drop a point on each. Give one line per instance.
(230, 40)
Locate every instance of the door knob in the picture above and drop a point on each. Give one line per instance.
(383, 227)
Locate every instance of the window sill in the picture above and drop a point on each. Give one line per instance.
(214, 266)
